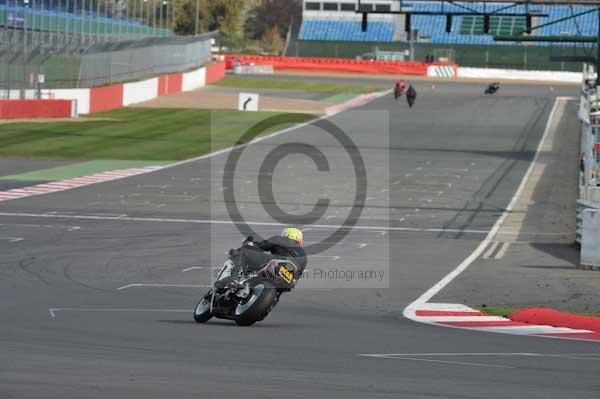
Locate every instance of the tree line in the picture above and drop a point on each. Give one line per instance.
(240, 22)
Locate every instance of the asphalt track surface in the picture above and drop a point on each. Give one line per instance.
(450, 165)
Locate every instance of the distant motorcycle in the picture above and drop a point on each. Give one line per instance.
(492, 88)
(250, 297)
(411, 96)
(399, 89)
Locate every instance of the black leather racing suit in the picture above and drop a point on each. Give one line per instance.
(254, 257)
(411, 95)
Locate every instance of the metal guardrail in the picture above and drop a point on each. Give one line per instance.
(582, 205)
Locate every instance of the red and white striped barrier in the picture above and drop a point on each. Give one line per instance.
(105, 98)
(75, 182)
(442, 71)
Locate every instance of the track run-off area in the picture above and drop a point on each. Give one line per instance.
(98, 283)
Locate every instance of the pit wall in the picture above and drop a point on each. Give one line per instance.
(105, 98)
(345, 65)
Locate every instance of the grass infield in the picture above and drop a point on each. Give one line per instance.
(243, 82)
(137, 134)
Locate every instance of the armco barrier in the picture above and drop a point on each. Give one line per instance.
(336, 65)
(106, 98)
(20, 109)
(590, 238)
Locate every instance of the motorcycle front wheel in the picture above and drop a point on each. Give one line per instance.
(202, 312)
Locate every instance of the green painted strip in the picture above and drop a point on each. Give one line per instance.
(340, 98)
(81, 169)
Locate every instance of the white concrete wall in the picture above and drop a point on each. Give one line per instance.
(82, 96)
(141, 91)
(194, 79)
(493, 73)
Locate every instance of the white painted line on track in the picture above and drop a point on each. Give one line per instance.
(409, 311)
(53, 311)
(201, 268)
(574, 356)
(229, 222)
(163, 285)
(417, 359)
(332, 257)
(461, 318)
(12, 239)
(39, 226)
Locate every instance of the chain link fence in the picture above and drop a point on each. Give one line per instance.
(79, 63)
(83, 43)
(106, 63)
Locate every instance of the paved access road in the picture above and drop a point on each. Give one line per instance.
(118, 264)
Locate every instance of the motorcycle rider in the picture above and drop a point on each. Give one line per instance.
(411, 95)
(399, 88)
(253, 255)
(492, 88)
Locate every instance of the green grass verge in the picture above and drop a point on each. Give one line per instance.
(243, 82)
(504, 311)
(137, 134)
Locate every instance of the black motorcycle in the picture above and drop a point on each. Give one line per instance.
(249, 297)
(411, 96)
(492, 88)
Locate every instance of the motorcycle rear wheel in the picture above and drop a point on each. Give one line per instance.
(258, 304)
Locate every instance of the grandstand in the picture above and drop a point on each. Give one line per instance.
(85, 43)
(104, 21)
(329, 20)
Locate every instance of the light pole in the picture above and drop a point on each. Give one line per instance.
(146, 19)
(160, 17)
(197, 17)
